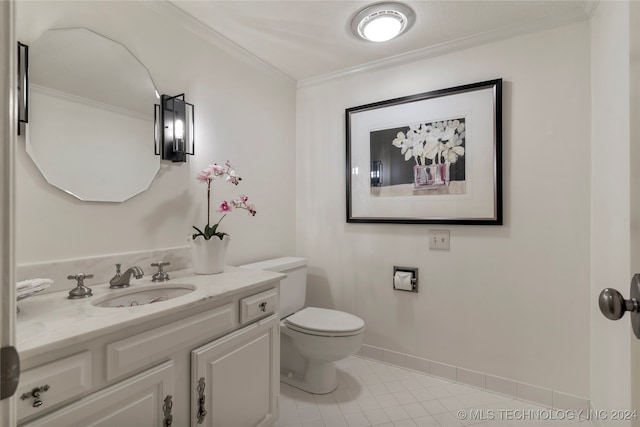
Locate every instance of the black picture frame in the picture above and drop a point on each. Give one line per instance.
(453, 136)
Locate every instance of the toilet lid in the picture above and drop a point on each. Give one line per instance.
(325, 320)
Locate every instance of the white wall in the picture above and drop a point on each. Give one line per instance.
(245, 113)
(511, 301)
(614, 219)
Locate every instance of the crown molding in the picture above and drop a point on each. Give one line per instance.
(208, 34)
(548, 22)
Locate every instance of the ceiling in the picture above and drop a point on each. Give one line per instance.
(305, 39)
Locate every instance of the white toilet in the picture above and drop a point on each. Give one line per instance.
(311, 338)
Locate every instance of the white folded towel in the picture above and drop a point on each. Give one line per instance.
(27, 287)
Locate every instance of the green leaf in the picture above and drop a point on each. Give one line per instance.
(199, 233)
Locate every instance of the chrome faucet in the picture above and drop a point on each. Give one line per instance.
(122, 280)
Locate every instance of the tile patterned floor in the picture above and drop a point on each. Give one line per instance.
(371, 393)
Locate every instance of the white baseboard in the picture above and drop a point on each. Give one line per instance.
(483, 381)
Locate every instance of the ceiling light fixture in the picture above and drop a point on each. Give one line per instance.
(381, 22)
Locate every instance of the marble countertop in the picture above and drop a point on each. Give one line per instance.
(52, 321)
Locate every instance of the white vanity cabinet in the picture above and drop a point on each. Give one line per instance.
(218, 357)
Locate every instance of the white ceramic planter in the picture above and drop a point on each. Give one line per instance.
(208, 256)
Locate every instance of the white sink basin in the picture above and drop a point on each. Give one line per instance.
(144, 295)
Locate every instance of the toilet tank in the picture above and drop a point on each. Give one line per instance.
(293, 288)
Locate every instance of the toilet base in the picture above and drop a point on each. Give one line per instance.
(319, 378)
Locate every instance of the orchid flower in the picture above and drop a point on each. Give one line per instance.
(241, 203)
(208, 175)
(204, 176)
(224, 207)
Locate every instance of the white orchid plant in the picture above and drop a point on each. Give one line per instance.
(208, 175)
(436, 141)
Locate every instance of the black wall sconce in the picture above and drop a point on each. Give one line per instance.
(173, 134)
(23, 85)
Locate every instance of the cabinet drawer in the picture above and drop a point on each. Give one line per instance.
(258, 305)
(143, 349)
(135, 402)
(62, 379)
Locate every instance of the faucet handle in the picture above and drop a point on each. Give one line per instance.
(160, 276)
(80, 291)
(118, 269)
(160, 264)
(80, 278)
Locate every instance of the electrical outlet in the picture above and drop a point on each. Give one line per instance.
(439, 240)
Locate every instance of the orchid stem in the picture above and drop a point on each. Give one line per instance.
(208, 202)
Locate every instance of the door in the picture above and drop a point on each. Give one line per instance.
(634, 131)
(7, 141)
(238, 377)
(615, 204)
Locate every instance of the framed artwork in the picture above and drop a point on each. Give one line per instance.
(431, 158)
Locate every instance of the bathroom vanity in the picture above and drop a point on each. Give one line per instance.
(209, 357)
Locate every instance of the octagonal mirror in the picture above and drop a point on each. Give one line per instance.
(91, 126)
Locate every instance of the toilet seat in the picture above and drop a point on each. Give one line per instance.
(325, 322)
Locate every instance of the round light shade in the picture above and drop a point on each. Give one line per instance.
(382, 21)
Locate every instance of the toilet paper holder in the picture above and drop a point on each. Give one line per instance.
(412, 286)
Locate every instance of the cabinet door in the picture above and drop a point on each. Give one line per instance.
(137, 402)
(241, 373)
